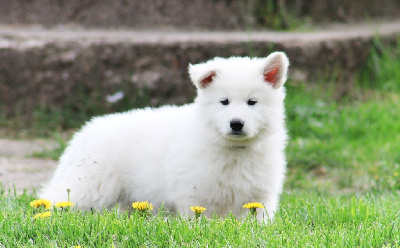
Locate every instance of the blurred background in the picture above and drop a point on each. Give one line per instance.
(62, 62)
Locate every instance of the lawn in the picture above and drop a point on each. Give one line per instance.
(342, 187)
(306, 218)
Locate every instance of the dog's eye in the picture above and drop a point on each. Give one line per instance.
(251, 102)
(224, 101)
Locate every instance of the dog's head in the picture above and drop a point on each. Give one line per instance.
(241, 98)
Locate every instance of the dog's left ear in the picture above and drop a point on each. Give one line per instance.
(275, 69)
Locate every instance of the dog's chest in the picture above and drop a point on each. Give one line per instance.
(232, 180)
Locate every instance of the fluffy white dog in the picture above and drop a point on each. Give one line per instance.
(220, 152)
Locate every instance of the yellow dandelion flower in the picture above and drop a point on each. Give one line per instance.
(253, 205)
(396, 174)
(41, 203)
(198, 209)
(42, 215)
(77, 246)
(142, 206)
(64, 204)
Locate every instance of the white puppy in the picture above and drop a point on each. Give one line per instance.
(222, 151)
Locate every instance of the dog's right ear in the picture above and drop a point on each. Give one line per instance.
(202, 75)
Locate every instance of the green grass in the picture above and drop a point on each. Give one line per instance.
(306, 219)
(350, 144)
(342, 187)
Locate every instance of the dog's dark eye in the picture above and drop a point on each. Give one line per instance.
(224, 101)
(251, 102)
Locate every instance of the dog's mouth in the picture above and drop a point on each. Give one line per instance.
(238, 135)
(238, 140)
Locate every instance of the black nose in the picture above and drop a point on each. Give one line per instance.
(236, 125)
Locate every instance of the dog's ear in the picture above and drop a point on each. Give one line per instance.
(275, 69)
(202, 75)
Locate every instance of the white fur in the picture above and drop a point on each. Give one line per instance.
(185, 156)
